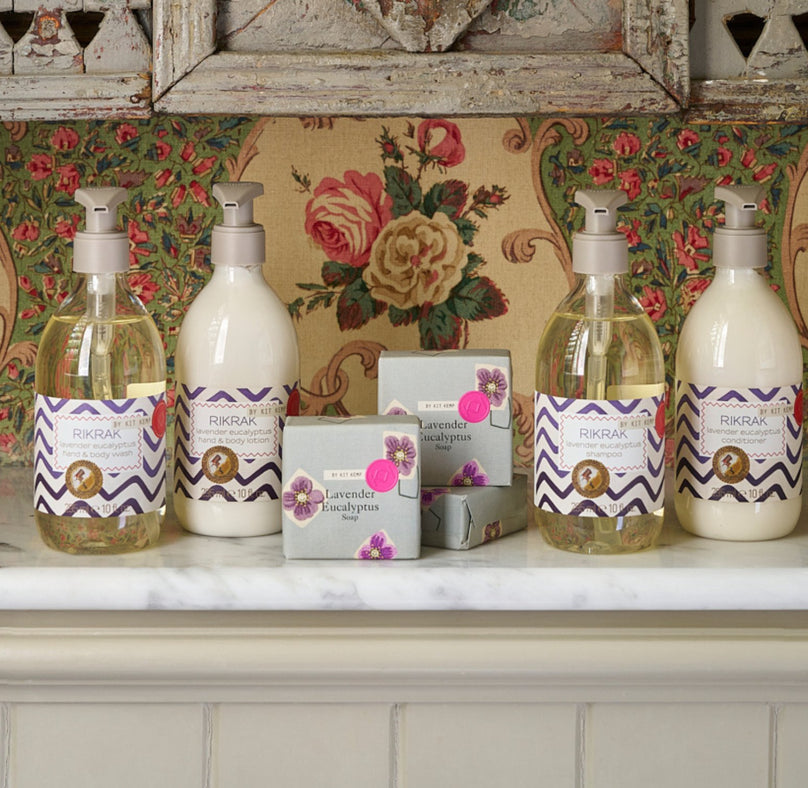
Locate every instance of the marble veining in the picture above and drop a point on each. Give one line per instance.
(518, 572)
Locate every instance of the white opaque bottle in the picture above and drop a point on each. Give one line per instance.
(599, 405)
(100, 410)
(237, 371)
(739, 393)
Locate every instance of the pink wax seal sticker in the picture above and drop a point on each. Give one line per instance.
(382, 475)
(474, 406)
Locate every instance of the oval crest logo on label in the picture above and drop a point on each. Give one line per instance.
(219, 464)
(83, 478)
(731, 464)
(590, 478)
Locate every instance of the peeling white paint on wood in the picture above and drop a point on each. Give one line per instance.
(119, 46)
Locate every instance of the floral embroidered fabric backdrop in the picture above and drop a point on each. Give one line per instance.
(387, 233)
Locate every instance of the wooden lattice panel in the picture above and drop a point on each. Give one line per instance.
(80, 58)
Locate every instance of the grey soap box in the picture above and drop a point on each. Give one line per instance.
(459, 518)
(351, 487)
(464, 401)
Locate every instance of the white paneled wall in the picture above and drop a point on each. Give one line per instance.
(474, 745)
(501, 702)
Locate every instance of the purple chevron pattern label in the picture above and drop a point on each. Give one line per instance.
(741, 444)
(99, 458)
(228, 442)
(599, 458)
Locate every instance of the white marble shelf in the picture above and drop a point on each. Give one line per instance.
(519, 572)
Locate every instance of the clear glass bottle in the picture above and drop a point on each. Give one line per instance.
(600, 349)
(100, 402)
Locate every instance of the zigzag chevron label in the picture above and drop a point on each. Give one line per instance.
(599, 458)
(740, 444)
(228, 442)
(99, 458)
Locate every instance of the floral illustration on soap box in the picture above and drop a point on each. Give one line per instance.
(470, 475)
(492, 531)
(401, 450)
(493, 382)
(431, 494)
(378, 547)
(395, 408)
(402, 246)
(302, 498)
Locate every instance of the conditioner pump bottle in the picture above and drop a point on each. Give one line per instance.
(599, 403)
(100, 410)
(236, 368)
(739, 392)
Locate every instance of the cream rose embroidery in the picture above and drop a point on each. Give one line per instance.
(415, 260)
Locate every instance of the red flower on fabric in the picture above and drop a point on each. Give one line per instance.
(631, 183)
(200, 193)
(449, 150)
(626, 144)
(204, 165)
(143, 286)
(69, 179)
(64, 138)
(687, 249)
(602, 171)
(748, 159)
(654, 302)
(40, 165)
(690, 291)
(163, 150)
(764, 173)
(686, 138)
(345, 217)
(631, 232)
(25, 231)
(125, 132)
(136, 237)
(66, 228)
(724, 156)
(7, 441)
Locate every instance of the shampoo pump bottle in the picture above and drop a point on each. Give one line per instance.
(237, 373)
(100, 410)
(739, 393)
(599, 406)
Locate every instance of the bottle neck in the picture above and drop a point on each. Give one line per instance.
(749, 277)
(238, 274)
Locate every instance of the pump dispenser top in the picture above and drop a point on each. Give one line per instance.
(739, 243)
(101, 248)
(599, 248)
(238, 240)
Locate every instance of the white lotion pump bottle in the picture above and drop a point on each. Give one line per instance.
(599, 405)
(100, 409)
(739, 393)
(237, 369)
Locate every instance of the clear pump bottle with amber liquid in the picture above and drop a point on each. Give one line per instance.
(100, 410)
(599, 403)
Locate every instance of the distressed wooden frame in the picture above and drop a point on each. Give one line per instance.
(59, 95)
(650, 75)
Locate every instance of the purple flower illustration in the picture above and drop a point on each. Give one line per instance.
(471, 476)
(492, 531)
(431, 494)
(493, 383)
(378, 547)
(401, 450)
(302, 499)
(396, 411)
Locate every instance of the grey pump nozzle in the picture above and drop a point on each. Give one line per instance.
(740, 204)
(102, 207)
(238, 240)
(101, 248)
(599, 248)
(236, 200)
(739, 242)
(601, 208)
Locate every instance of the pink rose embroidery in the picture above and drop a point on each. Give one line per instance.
(345, 217)
(449, 150)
